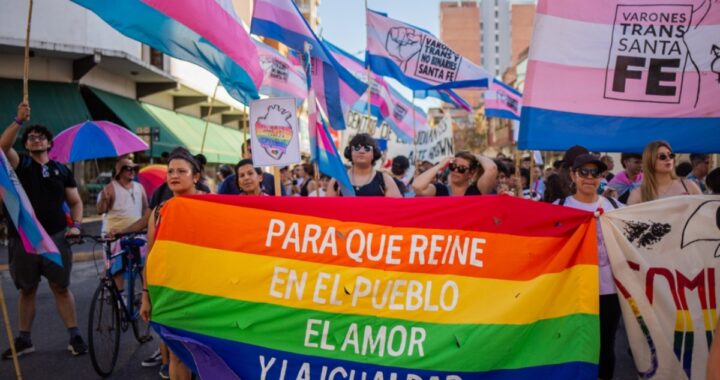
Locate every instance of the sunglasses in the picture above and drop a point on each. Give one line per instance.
(585, 172)
(665, 157)
(128, 168)
(458, 168)
(363, 147)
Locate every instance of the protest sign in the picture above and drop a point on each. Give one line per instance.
(664, 257)
(331, 288)
(274, 132)
(615, 75)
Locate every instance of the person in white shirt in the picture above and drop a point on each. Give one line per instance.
(586, 174)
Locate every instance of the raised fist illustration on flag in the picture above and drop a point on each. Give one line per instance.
(402, 44)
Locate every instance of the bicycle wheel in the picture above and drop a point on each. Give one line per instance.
(104, 330)
(141, 329)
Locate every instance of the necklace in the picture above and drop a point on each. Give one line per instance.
(130, 190)
(354, 181)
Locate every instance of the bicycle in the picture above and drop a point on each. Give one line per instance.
(110, 312)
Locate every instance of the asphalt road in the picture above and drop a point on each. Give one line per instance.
(51, 359)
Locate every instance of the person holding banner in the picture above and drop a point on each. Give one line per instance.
(249, 178)
(182, 177)
(658, 162)
(713, 368)
(363, 152)
(463, 179)
(586, 173)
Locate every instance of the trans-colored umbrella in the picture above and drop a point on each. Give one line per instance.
(151, 177)
(94, 139)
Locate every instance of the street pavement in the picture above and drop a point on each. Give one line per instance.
(52, 360)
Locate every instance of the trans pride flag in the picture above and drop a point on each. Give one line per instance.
(615, 75)
(502, 101)
(497, 288)
(335, 87)
(402, 121)
(282, 78)
(416, 58)
(32, 234)
(207, 33)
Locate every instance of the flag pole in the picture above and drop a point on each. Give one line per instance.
(8, 330)
(26, 60)
(246, 125)
(207, 118)
(369, 78)
(414, 137)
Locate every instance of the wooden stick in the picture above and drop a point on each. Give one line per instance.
(518, 189)
(8, 330)
(246, 126)
(415, 173)
(276, 173)
(26, 62)
(207, 118)
(317, 178)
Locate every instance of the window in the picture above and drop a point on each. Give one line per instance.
(497, 49)
(497, 37)
(157, 58)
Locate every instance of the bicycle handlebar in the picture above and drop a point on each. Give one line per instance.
(79, 239)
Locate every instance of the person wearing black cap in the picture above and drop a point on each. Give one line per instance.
(558, 185)
(586, 175)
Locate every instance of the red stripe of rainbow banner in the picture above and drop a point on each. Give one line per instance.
(283, 288)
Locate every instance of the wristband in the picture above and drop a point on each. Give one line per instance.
(76, 225)
(18, 121)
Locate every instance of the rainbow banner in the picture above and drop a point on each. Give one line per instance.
(323, 288)
(614, 75)
(664, 256)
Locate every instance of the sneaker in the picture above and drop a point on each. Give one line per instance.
(77, 346)
(154, 360)
(164, 372)
(22, 347)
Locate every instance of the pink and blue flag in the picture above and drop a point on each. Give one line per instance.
(34, 238)
(380, 102)
(416, 58)
(281, 77)
(615, 75)
(402, 121)
(502, 101)
(336, 88)
(323, 150)
(207, 33)
(447, 96)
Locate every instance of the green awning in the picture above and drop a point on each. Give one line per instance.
(132, 113)
(222, 145)
(57, 106)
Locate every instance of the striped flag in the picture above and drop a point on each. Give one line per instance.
(207, 33)
(336, 88)
(402, 120)
(281, 78)
(502, 101)
(34, 238)
(416, 58)
(615, 75)
(377, 288)
(447, 96)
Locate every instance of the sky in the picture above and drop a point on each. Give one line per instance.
(342, 22)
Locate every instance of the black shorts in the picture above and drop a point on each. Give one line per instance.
(26, 268)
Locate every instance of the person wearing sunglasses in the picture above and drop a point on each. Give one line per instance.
(586, 173)
(659, 181)
(463, 178)
(122, 202)
(363, 152)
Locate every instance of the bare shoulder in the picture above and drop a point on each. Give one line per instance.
(692, 187)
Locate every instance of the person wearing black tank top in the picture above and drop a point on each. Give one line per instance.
(363, 152)
(462, 180)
